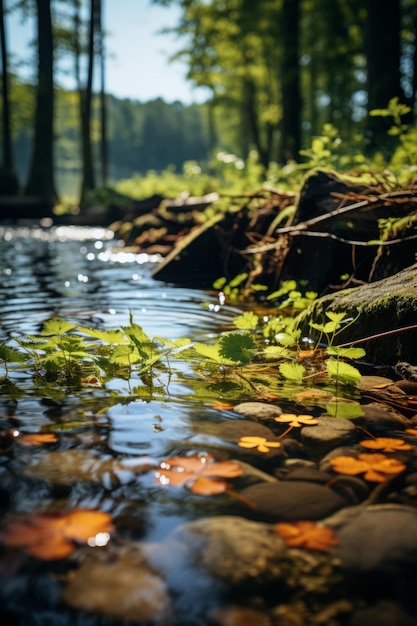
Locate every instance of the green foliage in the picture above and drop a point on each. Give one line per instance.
(239, 348)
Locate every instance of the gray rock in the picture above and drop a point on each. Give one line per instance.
(293, 500)
(377, 537)
(259, 410)
(329, 432)
(230, 549)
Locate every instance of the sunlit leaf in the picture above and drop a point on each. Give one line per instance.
(37, 439)
(260, 443)
(201, 474)
(211, 352)
(51, 535)
(375, 467)
(108, 336)
(296, 421)
(411, 431)
(11, 356)
(292, 371)
(57, 327)
(246, 321)
(306, 535)
(239, 348)
(349, 353)
(345, 408)
(386, 444)
(343, 372)
(238, 280)
(222, 406)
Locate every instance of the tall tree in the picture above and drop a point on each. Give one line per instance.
(88, 174)
(8, 178)
(383, 63)
(41, 174)
(290, 81)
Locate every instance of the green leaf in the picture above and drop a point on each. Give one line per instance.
(335, 317)
(57, 327)
(212, 353)
(276, 352)
(8, 355)
(342, 407)
(292, 371)
(219, 282)
(349, 353)
(238, 280)
(343, 372)
(240, 348)
(246, 321)
(108, 336)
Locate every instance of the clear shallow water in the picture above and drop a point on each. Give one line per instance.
(84, 276)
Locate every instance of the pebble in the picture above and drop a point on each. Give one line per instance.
(259, 410)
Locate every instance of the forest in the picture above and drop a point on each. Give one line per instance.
(283, 75)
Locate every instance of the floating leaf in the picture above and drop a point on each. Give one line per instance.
(222, 406)
(37, 439)
(386, 444)
(201, 474)
(292, 371)
(307, 535)
(50, 536)
(239, 348)
(212, 353)
(260, 443)
(375, 467)
(343, 372)
(296, 421)
(343, 407)
(411, 431)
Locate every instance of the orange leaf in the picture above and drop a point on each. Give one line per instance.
(375, 467)
(178, 471)
(296, 421)
(306, 535)
(260, 443)
(387, 444)
(411, 431)
(49, 535)
(222, 406)
(37, 439)
(205, 486)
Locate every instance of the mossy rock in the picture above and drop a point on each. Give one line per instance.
(383, 306)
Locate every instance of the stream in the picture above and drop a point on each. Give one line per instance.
(182, 495)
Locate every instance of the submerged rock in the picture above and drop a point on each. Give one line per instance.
(293, 500)
(259, 410)
(329, 432)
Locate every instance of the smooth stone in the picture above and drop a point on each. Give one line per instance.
(229, 548)
(381, 416)
(293, 500)
(329, 432)
(121, 588)
(377, 537)
(259, 410)
(308, 474)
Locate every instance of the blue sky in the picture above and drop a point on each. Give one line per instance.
(138, 56)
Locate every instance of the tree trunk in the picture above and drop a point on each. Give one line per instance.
(383, 65)
(290, 81)
(41, 174)
(88, 176)
(103, 99)
(8, 179)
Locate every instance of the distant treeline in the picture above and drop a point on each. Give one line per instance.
(142, 136)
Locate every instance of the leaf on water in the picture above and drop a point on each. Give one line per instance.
(306, 535)
(239, 348)
(343, 407)
(292, 371)
(260, 443)
(411, 431)
(50, 536)
(375, 467)
(386, 444)
(201, 474)
(111, 336)
(8, 355)
(343, 372)
(37, 439)
(222, 406)
(296, 421)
